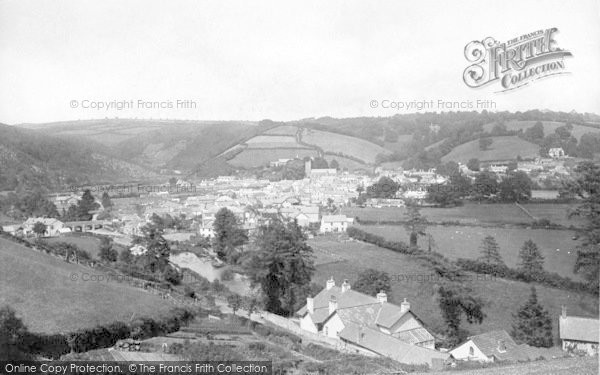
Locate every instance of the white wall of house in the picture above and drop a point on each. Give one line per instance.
(469, 352)
(588, 347)
(333, 326)
(307, 324)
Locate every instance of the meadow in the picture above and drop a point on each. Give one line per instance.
(87, 243)
(474, 214)
(549, 127)
(53, 296)
(502, 148)
(344, 144)
(414, 280)
(464, 242)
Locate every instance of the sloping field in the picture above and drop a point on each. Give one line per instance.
(283, 130)
(463, 242)
(251, 158)
(411, 279)
(273, 141)
(549, 127)
(561, 366)
(52, 296)
(338, 143)
(502, 148)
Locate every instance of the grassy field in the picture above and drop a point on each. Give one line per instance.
(338, 143)
(250, 158)
(283, 130)
(53, 296)
(549, 127)
(563, 366)
(87, 243)
(273, 141)
(414, 280)
(464, 242)
(503, 148)
(474, 213)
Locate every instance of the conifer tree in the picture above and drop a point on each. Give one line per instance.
(490, 251)
(531, 258)
(532, 324)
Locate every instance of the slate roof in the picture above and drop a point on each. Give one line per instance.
(389, 346)
(578, 329)
(350, 298)
(414, 336)
(489, 342)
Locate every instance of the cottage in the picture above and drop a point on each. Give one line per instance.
(54, 227)
(369, 324)
(578, 333)
(556, 153)
(335, 223)
(499, 346)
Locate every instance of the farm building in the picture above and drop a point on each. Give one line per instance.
(578, 333)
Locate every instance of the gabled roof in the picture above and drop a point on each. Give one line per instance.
(414, 336)
(578, 329)
(334, 218)
(489, 344)
(389, 346)
(350, 298)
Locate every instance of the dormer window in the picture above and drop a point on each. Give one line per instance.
(501, 346)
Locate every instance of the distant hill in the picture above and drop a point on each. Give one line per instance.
(30, 158)
(502, 148)
(46, 295)
(549, 127)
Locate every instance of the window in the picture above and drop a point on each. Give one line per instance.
(471, 351)
(326, 331)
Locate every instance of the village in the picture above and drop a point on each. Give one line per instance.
(337, 316)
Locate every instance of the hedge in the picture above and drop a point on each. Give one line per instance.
(545, 278)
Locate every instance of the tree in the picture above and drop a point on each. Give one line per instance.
(39, 228)
(372, 281)
(531, 258)
(485, 143)
(106, 251)
(86, 204)
(125, 256)
(384, 188)
(473, 164)
(228, 234)
(456, 301)
(106, 202)
(251, 304)
(234, 302)
(13, 336)
(172, 276)
(415, 224)
(532, 324)
(586, 186)
(490, 251)
(485, 185)
(282, 266)
(515, 188)
(449, 169)
(535, 133)
(156, 258)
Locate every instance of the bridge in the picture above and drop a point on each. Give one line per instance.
(85, 226)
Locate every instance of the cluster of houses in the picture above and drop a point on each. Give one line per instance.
(374, 326)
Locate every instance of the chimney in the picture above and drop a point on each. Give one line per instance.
(345, 286)
(563, 314)
(381, 297)
(404, 306)
(330, 283)
(310, 305)
(332, 304)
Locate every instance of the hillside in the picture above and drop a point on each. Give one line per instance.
(502, 148)
(52, 296)
(549, 127)
(30, 158)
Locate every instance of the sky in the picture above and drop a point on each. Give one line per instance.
(280, 60)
